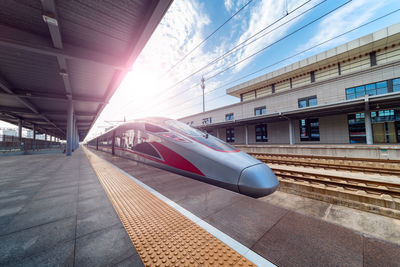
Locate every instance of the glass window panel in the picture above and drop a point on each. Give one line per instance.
(312, 101)
(370, 86)
(381, 84)
(381, 91)
(350, 96)
(350, 91)
(302, 103)
(396, 85)
(264, 110)
(360, 89)
(371, 92)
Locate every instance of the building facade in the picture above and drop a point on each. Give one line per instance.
(347, 95)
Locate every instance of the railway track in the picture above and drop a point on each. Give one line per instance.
(366, 184)
(375, 166)
(337, 181)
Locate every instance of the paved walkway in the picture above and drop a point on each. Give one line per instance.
(282, 236)
(54, 211)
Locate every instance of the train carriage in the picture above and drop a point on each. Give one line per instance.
(179, 148)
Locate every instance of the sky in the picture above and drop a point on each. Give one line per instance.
(162, 84)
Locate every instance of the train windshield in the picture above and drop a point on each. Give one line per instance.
(199, 136)
(184, 128)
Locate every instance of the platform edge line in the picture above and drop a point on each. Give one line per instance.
(229, 241)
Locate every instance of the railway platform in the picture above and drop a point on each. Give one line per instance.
(95, 209)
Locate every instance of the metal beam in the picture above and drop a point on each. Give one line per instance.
(6, 87)
(24, 111)
(51, 18)
(150, 21)
(27, 41)
(46, 96)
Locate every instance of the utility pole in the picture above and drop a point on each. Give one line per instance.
(203, 87)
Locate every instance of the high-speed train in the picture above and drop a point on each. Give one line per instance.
(180, 148)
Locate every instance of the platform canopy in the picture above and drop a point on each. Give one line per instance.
(59, 53)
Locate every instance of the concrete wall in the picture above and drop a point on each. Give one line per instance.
(327, 93)
(332, 129)
(351, 151)
(278, 132)
(329, 87)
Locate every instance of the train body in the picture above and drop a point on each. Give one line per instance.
(180, 148)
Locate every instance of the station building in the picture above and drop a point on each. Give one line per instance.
(349, 94)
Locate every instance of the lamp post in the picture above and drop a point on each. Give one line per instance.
(203, 87)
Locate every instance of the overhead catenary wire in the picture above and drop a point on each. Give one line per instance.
(262, 49)
(220, 57)
(208, 37)
(290, 57)
(244, 45)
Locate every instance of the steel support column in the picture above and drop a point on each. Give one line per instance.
(368, 125)
(76, 137)
(291, 132)
(218, 133)
(246, 132)
(73, 134)
(34, 137)
(70, 115)
(20, 131)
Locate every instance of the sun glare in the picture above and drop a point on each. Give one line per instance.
(139, 91)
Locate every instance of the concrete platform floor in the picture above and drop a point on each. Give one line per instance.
(367, 223)
(54, 212)
(282, 235)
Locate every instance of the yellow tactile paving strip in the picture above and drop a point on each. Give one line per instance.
(161, 235)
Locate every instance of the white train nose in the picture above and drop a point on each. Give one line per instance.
(257, 181)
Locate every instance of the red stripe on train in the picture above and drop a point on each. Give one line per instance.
(171, 158)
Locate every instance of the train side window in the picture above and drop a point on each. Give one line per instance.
(146, 148)
(117, 141)
(154, 128)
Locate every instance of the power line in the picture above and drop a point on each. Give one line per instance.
(286, 36)
(202, 42)
(235, 48)
(261, 50)
(240, 46)
(218, 58)
(292, 56)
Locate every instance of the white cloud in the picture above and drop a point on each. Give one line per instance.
(265, 13)
(228, 5)
(348, 17)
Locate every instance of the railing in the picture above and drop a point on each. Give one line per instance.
(12, 143)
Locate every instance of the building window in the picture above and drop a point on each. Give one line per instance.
(339, 69)
(312, 76)
(290, 81)
(309, 130)
(229, 117)
(241, 97)
(273, 88)
(261, 133)
(378, 88)
(260, 111)
(396, 85)
(356, 124)
(372, 58)
(307, 101)
(207, 120)
(230, 135)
